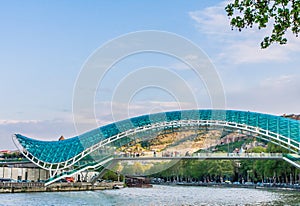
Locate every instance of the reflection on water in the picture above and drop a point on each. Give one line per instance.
(158, 195)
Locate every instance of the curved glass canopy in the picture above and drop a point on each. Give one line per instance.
(61, 151)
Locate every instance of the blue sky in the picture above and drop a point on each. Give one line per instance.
(45, 43)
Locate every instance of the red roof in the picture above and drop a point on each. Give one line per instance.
(5, 151)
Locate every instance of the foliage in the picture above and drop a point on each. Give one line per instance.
(273, 148)
(215, 170)
(283, 14)
(226, 146)
(111, 175)
(257, 149)
(231, 145)
(12, 155)
(188, 170)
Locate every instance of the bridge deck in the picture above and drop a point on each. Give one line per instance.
(204, 156)
(53, 154)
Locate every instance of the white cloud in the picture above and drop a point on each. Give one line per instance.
(212, 20)
(179, 66)
(249, 52)
(191, 57)
(275, 94)
(37, 129)
(5, 122)
(107, 112)
(239, 47)
(280, 82)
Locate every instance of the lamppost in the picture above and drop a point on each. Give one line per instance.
(227, 146)
(118, 174)
(248, 175)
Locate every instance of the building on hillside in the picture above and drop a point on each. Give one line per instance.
(292, 116)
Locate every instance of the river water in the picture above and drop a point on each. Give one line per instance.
(158, 195)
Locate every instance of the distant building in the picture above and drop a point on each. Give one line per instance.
(22, 171)
(292, 116)
(5, 151)
(61, 138)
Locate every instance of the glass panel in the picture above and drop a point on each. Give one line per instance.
(60, 151)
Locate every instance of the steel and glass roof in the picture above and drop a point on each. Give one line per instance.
(61, 151)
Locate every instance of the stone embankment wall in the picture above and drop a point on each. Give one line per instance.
(56, 187)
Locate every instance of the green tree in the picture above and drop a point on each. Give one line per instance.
(110, 175)
(258, 149)
(273, 148)
(282, 14)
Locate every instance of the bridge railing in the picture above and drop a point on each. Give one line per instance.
(200, 155)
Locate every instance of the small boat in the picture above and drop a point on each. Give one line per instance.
(118, 186)
(141, 182)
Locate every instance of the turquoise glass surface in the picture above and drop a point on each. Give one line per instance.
(60, 151)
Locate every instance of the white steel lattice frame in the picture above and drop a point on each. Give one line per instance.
(55, 168)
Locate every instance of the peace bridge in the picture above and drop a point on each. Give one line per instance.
(96, 149)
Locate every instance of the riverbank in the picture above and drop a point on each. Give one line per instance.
(12, 187)
(158, 195)
(84, 186)
(224, 185)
